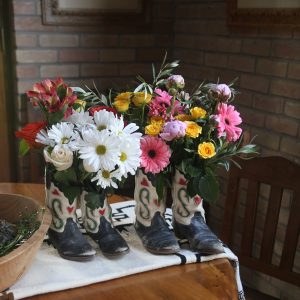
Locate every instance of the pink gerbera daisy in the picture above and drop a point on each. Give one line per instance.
(228, 119)
(155, 154)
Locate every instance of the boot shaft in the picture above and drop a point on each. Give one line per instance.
(147, 202)
(184, 207)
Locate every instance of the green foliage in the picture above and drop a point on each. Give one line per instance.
(95, 200)
(23, 147)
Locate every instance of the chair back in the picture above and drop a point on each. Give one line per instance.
(267, 189)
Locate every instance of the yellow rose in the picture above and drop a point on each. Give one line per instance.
(122, 101)
(141, 98)
(153, 129)
(183, 118)
(157, 120)
(206, 150)
(192, 129)
(198, 112)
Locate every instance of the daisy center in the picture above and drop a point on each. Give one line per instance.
(64, 140)
(100, 149)
(123, 156)
(105, 174)
(101, 127)
(152, 153)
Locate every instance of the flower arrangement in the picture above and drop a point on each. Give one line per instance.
(85, 142)
(194, 133)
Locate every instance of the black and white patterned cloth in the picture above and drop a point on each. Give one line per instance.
(49, 272)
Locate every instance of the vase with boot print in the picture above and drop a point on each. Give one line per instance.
(189, 219)
(64, 233)
(97, 221)
(150, 223)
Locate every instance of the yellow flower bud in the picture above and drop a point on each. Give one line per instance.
(206, 150)
(141, 98)
(198, 112)
(183, 118)
(192, 130)
(157, 120)
(153, 129)
(122, 101)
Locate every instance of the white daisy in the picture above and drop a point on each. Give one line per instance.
(130, 156)
(99, 149)
(119, 128)
(64, 134)
(80, 118)
(106, 178)
(104, 119)
(42, 138)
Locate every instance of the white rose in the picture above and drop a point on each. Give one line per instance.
(89, 168)
(60, 157)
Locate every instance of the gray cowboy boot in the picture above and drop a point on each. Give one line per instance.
(189, 220)
(99, 226)
(64, 232)
(150, 224)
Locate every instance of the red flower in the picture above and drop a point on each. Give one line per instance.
(29, 132)
(92, 110)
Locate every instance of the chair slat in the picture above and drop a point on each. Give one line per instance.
(290, 244)
(250, 216)
(271, 224)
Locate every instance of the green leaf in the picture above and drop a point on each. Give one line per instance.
(65, 177)
(23, 147)
(56, 117)
(209, 189)
(71, 192)
(94, 200)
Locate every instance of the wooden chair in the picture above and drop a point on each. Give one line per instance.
(282, 177)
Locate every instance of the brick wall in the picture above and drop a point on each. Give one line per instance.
(267, 64)
(83, 54)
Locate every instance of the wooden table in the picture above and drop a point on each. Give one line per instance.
(212, 280)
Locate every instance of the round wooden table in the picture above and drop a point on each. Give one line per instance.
(212, 280)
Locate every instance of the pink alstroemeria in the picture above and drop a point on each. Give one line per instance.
(228, 119)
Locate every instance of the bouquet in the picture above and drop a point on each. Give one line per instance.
(85, 142)
(193, 132)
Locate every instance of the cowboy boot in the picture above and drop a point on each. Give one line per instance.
(189, 219)
(64, 232)
(150, 224)
(99, 226)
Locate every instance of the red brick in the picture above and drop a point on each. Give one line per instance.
(99, 41)
(229, 45)
(252, 117)
(244, 98)
(207, 27)
(24, 7)
(137, 40)
(268, 103)
(109, 55)
(31, 23)
(23, 86)
(271, 67)
(59, 71)
(95, 70)
(266, 139)
(285, 88)
(256, 47)
(164, 40)
(189, 56)
(36, 56)
(282, 124)
(294, 70)
(26, 72)
(133, 69)
(151, 54)
(185, 41)
(201, 73)
(241, 63)
(78, 55)
(216, 60)
(254, 82)
(58, 40)
(25, 40)
(275, 32)
(283, 49)
(292, 109)
(290, 146)
(208, 10)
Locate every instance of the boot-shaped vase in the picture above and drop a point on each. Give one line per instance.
(189, 219)
(150, 224)
(64, 232)
(99, 226)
